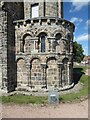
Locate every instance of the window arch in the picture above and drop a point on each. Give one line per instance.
(42, 42)
(25, 43)
(21, 72)
(36, 72)
(52, 72)
(58, 36)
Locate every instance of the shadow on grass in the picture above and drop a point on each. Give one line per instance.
(77, 73)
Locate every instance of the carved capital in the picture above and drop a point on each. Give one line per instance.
(44, 66)
(59, 64)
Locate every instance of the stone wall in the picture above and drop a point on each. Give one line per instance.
(21, 73)
(37, 53)
(52, 73)
(51, 9)
(46, 9)
(9, 12)
(51, 68)
(3, 47)
(36, 73)
(15, 10)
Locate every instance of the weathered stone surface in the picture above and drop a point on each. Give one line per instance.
(35, 52)
(46, 9)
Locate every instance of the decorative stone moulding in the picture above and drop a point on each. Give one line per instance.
(32, 22)
(48, 21)
(24, 23)
(58, 21)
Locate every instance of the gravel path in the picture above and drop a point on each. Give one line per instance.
(74, 110)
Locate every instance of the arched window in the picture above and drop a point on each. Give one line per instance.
(58, 36)
(57, 41)
(43, 44)
(25, 44)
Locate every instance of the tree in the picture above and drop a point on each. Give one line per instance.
(78, 52)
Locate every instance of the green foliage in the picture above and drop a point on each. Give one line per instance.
(21, 99)
(78, 52)
(0, 99)
(81, 94)
(82, 67)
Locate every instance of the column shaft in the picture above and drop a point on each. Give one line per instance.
(51, 40)
(69, 73)
(21, 46)
(44, 75)
(60, 74)
(28, 73)
(68, 76)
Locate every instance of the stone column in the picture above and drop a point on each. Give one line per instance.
(71, 73)
(28, 73)
(35, 44)
(68, 72)
(44, 66)
(21, 46)
(3, 15)
(30, 82)
(1, 48)
(64, 45)
(51, 41)
(60, 73)
(71, 46)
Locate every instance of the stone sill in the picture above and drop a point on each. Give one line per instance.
(44, 53)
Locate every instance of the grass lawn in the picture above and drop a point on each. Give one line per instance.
(80, 94)
(21, 99)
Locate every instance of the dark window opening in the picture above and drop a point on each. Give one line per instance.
(58, 36)
(42, 43)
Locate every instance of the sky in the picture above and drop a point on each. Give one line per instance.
(77, 12)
